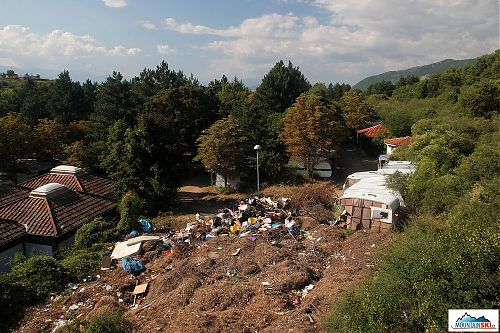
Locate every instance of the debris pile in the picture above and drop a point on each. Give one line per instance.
(260, 267)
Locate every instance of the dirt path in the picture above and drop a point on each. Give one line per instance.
(353, 159)
(197, 196)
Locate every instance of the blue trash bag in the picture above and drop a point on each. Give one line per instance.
(145, 225)
(134, 233)
(132, 266)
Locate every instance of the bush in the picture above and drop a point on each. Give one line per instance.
(40, 275)
(435, 266)
(108, 322)
(131, 207)
(82, 263)
(96, 231)
(13, 300)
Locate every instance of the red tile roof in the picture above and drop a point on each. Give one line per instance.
(56, 215)
(80, 183)
(96, 185)
(10, 231)
(403, 141)
(370, 132)
(12, 193)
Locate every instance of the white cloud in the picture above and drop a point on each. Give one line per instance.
(56, 49)
(365, 38)
(149, 25)
(165, 49)
(123, 51)
(115, 3)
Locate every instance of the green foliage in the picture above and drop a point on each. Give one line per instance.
(312, 130)
(261, 121)
(414, 72)
(145, 159)
(355, 110)
(82, 263)
(111, 321)
(481, 99)
(188, 110)
(14, 141)
(131, 207)
(281, 86)
(13, 300)
(66, 100)
(96, 231)
(449, 255)
(384, 87)
(49, 137)
(398, 181)
(40, 275)
(434, 266)
(399, 116)
(223, 147)
(232, 95)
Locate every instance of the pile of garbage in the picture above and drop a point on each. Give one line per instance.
(250, 216)
(260, 266)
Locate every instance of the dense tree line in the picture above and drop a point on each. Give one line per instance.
(448, 255)
(143, 133)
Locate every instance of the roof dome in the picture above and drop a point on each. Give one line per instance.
(67, 170)
(48, 190)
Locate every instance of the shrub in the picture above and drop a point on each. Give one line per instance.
(13, 300)
(434, 266)
(82, 263)
(40, 275)
(108, 322)
(131, 207)
(96, 231)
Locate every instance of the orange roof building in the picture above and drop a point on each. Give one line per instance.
(370, 132)
(75, 179)
(393, 143)
(44, 213)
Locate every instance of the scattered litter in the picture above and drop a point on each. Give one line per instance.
(140, 289)
(265, 283)
(235, 253)
(73, 307)
(60, 323)
(141, 239)
(122, 250)
(145, 225)
(132, 266)
(106, 263)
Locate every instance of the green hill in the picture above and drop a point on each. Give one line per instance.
(418, 71)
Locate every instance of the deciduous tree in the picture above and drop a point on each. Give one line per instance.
(49, 137)
(312, 130)
(355, 110)
(14, 141)
(223, 147)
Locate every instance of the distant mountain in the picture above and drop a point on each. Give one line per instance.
(418, 71)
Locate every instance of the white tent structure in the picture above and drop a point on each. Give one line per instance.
(368, 202)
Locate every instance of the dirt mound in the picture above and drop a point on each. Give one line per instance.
(282, 278)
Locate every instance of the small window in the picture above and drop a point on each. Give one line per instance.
(381, 213)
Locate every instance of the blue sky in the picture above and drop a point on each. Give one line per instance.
(330, 40)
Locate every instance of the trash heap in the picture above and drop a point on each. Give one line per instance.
(260, 266)
(248, 218)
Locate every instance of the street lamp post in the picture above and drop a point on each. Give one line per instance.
(257, 148)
